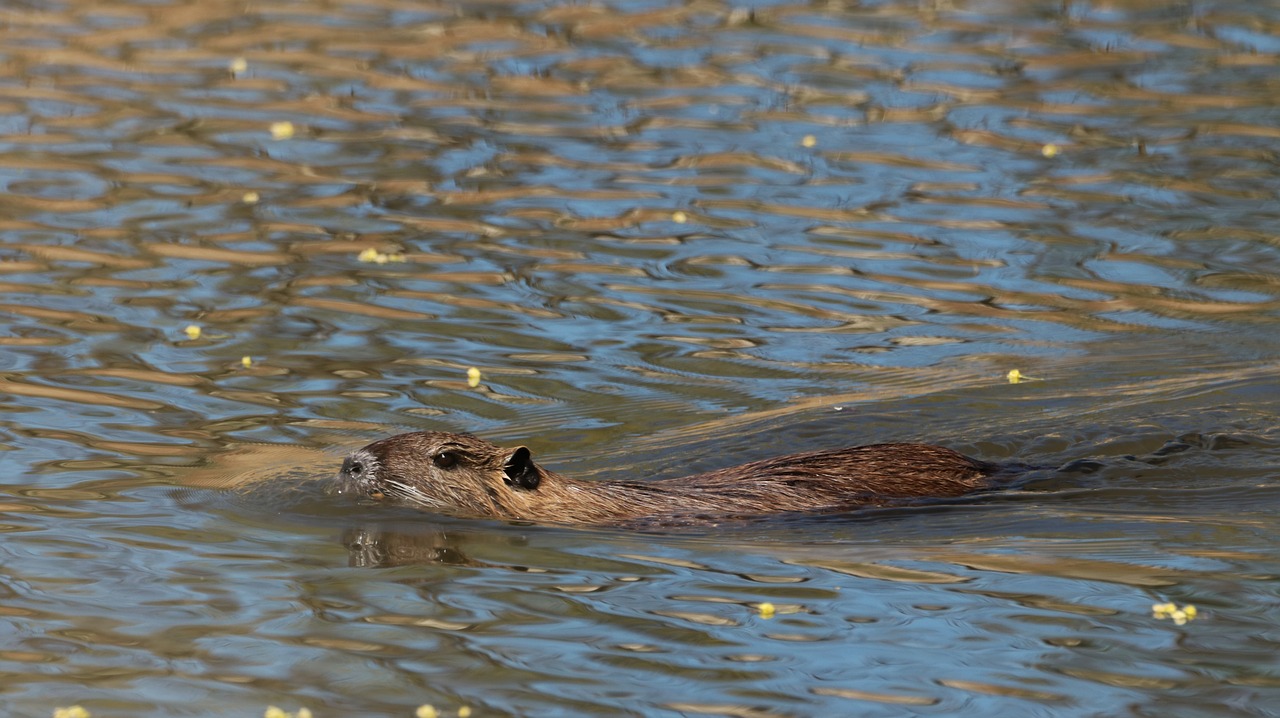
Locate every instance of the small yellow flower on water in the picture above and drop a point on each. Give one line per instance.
(72, 712)
(1050, 150)
(281, 130)
(1171, 611)
(250, 198)
(679, 217)
(192, 331)
(808, 141)
(766, 610)
(464, 712)
(372, 255)
(473, 377)
(246, 361)
(274, 712)
(426, 711)
(238, 66)
(1017, 377)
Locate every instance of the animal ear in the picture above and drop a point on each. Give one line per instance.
(520, 469)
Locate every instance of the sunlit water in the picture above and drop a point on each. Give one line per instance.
(672, 237)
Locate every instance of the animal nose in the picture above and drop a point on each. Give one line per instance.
(355, 477)
(350, 476)
(352, 468)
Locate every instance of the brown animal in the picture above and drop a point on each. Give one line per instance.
(462, 475)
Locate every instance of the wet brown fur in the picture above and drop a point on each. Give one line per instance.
(463, 475)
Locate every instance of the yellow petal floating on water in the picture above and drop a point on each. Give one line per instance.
(1171, 611)
(1050, 150)
(464, 712)
(250, 198)
(238, 66)
(766, 610)
(281, 130)
(246, 361)
(192, 331)
(274, 712)
(1017, 377)
(426, 711)
(72, 712)
(372, 255)
(679, 217)
(808, 141)
(473, 377)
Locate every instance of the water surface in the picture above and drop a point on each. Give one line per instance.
(672, 237)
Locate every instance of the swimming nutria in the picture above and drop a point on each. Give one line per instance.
(462, 475)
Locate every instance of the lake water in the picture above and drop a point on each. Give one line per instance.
(672, 236)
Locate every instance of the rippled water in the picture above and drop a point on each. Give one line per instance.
(672, 236)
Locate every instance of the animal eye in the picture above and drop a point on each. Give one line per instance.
(357, 468)
(445, 459)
